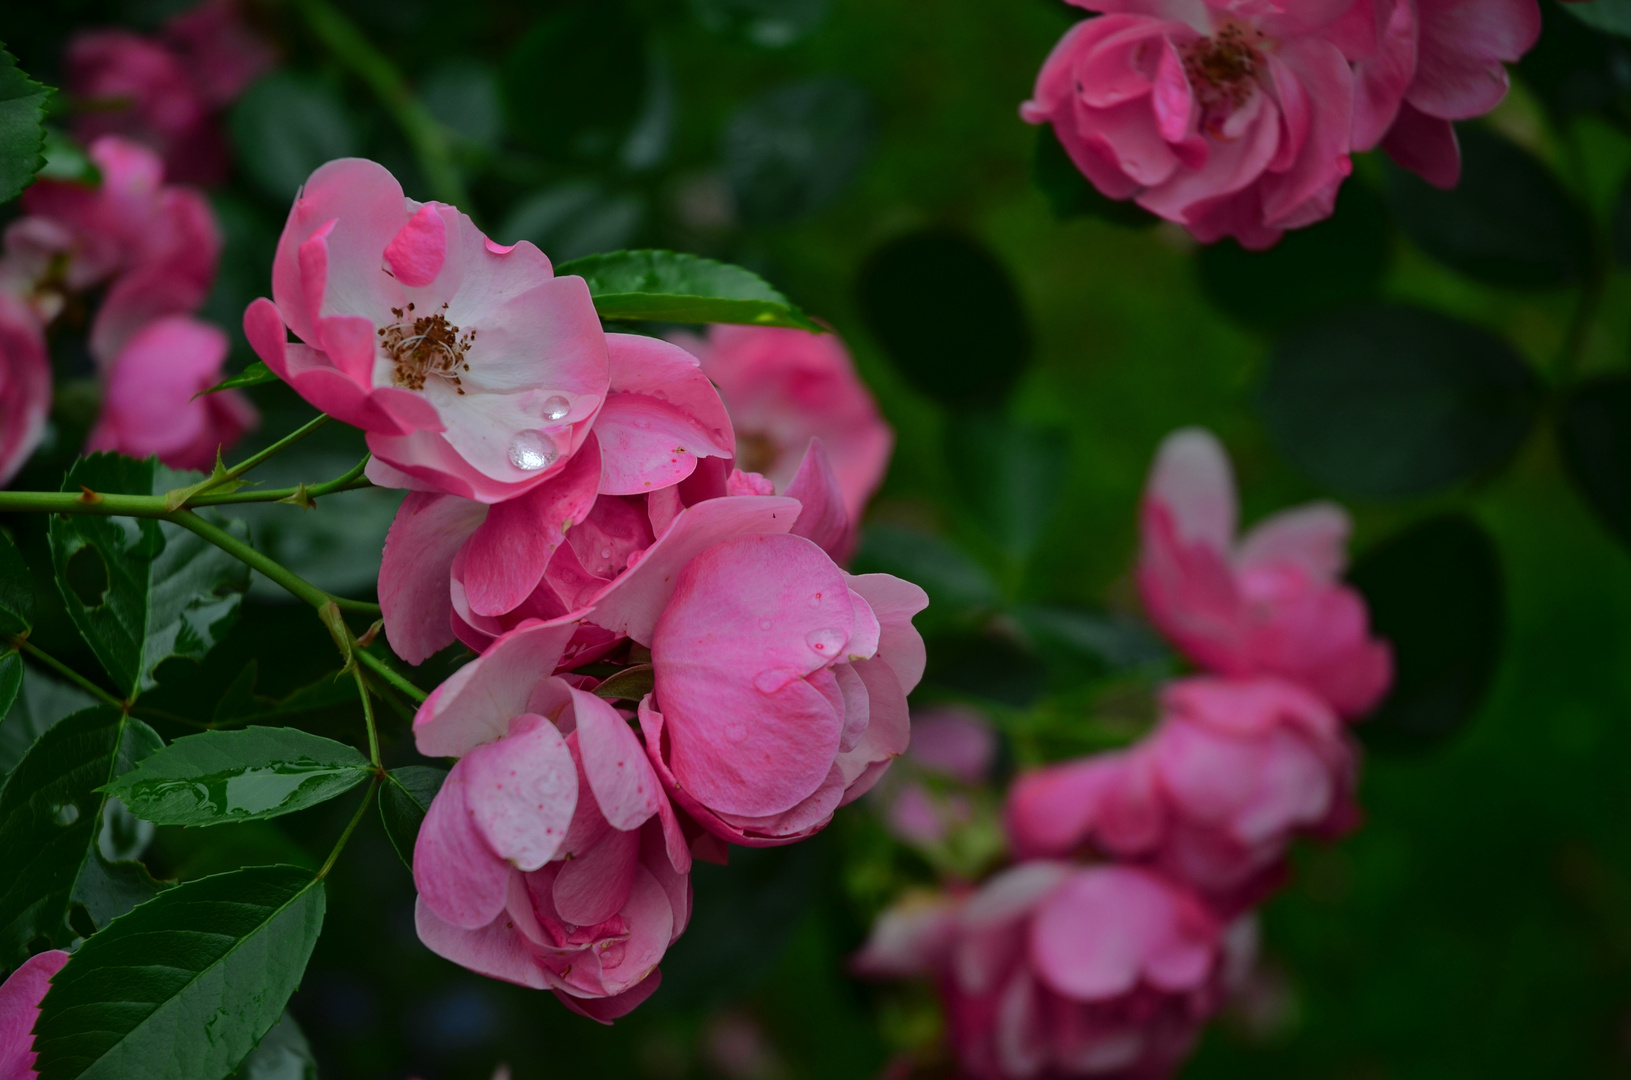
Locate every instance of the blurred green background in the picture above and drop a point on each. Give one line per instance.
(1479, 925)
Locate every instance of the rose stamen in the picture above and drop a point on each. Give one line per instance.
(428, 346)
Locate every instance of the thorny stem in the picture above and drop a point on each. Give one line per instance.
(427, 135)
(27, 646)
(356, 819)
(391, 675)
(353, 480)
(273, 570)
(229, 475)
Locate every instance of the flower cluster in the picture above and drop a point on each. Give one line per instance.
(1238, 119)
(153, 247)
(1110, 967)
(577, 517)
(165, 91)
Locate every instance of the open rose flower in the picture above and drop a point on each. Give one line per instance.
(780, 686)
(1212, 797)
(20, 998)
(472, 368)
(1053, 970)
(786, 387)
(1272, 602)
(151, 403)
(550, 857)
(25, 384)
(1230, 119)
(1462, 49)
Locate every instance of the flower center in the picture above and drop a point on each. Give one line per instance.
(1223, 68)
(423, 346)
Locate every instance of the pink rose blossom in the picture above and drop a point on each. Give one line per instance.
(1211, 797)
(218, 48)
(781, 686)
(20, 998)
(1231, 119)
(786, 387)
(1269, 603)
(149, 406)
(472, 368)
(25, 385)
(1053, 970)
(1462, 49)
(550, 857)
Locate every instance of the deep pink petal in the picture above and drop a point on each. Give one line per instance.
(893, 602)
(822, 518)
(619, 774)
(1426, 146)
(413, 572)
(477, 702)
(605, 1010)
(19, 1007)
(456, 873)
(496, 949)
(419, 249)
(522, 791)
(594, 886)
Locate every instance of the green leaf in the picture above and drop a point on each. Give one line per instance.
(1009, 478)
(404, 799)
(11, 680)
(1612, 16)
(106, 890)
(141, 590)
(947, 313)
(1386, 402)
(568, 51)
(50, 819)
(796, 148)
(1508, 222)
(1435, 591)
(185, 986)
(285, 126)
(42, 703)
(1070, 194)
(16, 590)
(218, 777)
(22, 127)
(1337, 261)
(253, 375)
(667, 286)
(630, 684)
(283, 1054)
(1595, 431)
(240, 702)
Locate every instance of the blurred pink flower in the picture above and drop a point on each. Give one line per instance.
(25, 385)
(20, 998)
(1270, 603)
(1231, 119)
(785, 387)
(1462, 49)
(149, 406)
(781, 686)
(550, 857)
(164, 91)
(473, 369)
(1053, 970)
(955, 746)
(1212, 797)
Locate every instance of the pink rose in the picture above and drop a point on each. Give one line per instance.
(1229, 118)
(472, 368)
(1462, 49)
(781, 686)
(786, 387)
(20, 998)
(1212, 797)
(951, 755)
(550, 857)
(1271, 603)
(25, 385)
(1053, 970)
(148, 397)
(221, 52)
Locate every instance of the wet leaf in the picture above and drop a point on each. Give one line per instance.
(667, 286)
(22, 127)
(283, 1054)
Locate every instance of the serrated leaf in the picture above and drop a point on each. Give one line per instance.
(42, 702)
(185, 986)
(218, 777)
(16, 590)
(668, 286)
(11, 680)
(106, 890)
(241, 703)
(283, 1054)
(253, 375)
(22, 127)
(50, 818)
(404, 799)
(168, 593)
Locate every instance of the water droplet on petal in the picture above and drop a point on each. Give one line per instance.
(605, 553)
(827, 642)
(764, 624)
(773, 679)
(65, 814)
(556, 407)
(532, 450)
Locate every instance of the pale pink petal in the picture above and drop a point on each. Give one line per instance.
(594, 886)
(1314, 537)
(522, 791)
(496, 949)
(619, 775)
(456, 873)
(477, 702)
(413, 572)
(893, 602)
(1192, 478)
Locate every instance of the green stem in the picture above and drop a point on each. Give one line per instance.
(241, 551)
(271, 451)
(356, 819)
(367, 714)
(24, 645)
(391, 675)
(426, 134)
(353, 480)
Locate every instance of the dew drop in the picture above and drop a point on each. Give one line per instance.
(605, 553)
(826, 642)
(531, 451)
(556, 407)
(65, 814)
(764, 624)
